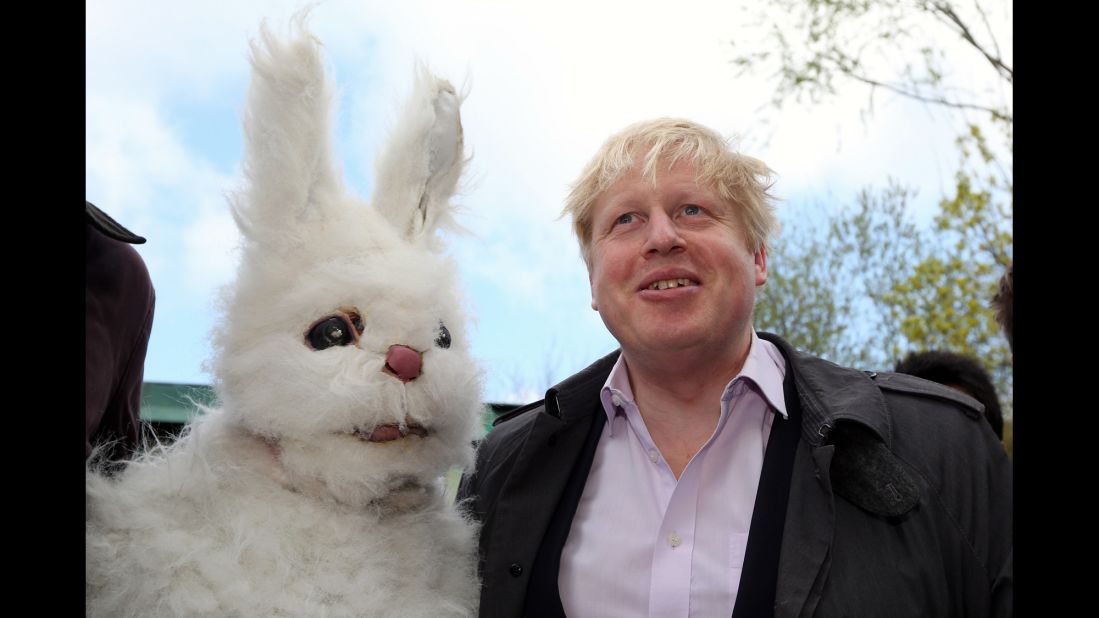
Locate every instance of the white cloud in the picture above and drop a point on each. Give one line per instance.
(547, 84)
(138, 170)
(210, 241)
(131, 152)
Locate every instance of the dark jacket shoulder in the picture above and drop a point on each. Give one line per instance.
(534, 407)
(903, 384)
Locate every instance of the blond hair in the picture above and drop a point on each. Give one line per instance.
(741, 180)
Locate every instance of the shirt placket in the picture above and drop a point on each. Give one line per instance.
(670, 585)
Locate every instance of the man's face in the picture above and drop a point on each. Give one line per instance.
(670, 266)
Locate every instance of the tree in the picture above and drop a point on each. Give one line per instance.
(943, 301)
(895, 286)
(823, 288)
(874, 286)
(884, 45)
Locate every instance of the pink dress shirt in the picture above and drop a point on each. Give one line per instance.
(643, 543)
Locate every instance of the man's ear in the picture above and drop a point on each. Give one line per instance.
(761, 265)
(594, 305)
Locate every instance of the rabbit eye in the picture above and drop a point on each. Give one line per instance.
(328, 333)
(443, 340)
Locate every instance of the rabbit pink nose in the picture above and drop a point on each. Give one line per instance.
(403, 362)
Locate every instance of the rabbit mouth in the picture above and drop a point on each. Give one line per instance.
(390, 432)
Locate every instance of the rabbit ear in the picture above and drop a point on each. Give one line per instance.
(418, 170)
(290, 176)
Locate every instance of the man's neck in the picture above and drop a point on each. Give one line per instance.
(681, 378)
(679, 395)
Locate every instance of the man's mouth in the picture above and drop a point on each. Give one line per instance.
(664, 284)
(388, 433)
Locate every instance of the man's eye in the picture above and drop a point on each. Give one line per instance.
(692, 210)
(624, 219)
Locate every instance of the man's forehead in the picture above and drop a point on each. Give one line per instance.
(680, 182)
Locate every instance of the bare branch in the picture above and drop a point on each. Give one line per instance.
(850, 72)
(947, 11)
(988, 27)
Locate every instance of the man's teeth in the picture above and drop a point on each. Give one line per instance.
(670, 283)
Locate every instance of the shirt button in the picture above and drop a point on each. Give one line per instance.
(515, 569)
(654, 456)
(616, 400)
(674, 540)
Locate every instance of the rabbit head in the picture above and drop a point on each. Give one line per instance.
(342, 342)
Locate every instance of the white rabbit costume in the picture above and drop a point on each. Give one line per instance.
(345, 384)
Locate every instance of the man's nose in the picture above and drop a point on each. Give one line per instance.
(663, 235)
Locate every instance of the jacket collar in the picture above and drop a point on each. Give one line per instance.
(828, 394)
(571, 398)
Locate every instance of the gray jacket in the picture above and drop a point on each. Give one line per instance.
(900, 500)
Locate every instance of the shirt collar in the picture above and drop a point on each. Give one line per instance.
(616, 392)
(764, 367)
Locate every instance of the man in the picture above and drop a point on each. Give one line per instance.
(960, 372)
(118, 317)
(1003, 304)
(708, 470)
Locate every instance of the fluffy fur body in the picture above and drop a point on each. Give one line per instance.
(296, 497)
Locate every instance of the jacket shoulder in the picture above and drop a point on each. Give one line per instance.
(900, 385)
(507, 434)
(495, 455)
(515, 413)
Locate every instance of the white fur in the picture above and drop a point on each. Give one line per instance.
(268, 506)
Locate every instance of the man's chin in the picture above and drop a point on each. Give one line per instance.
(701, 339)
(668, 342)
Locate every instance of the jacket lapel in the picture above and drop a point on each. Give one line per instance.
(804, 558)
(543, 596)
(532, 492)
(527, 502)
(758, 580)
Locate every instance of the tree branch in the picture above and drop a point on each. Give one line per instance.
(848, 71)
(947, 11)
(988, 27)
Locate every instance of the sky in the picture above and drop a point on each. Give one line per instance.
(546, 84)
